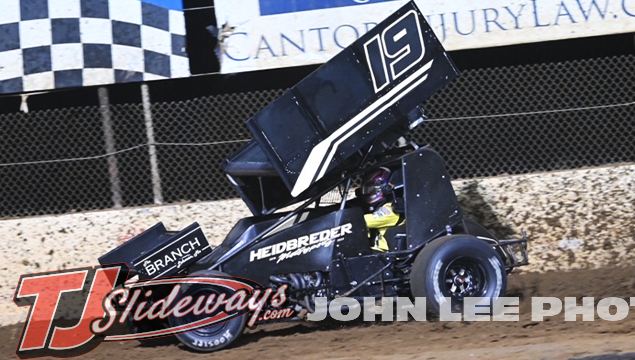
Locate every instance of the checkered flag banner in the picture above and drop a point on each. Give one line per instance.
(49, 44)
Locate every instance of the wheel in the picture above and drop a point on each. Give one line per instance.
(209, 338)
(456, 267)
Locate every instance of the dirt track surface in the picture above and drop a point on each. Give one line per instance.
(553, 339)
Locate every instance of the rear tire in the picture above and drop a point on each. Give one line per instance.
(456, 267)
(210, 338)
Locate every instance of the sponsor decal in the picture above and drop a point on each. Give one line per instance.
(71, 312)
(301, 245)
(266, 34)
(175, 255)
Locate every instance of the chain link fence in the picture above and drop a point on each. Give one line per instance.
(492, 121)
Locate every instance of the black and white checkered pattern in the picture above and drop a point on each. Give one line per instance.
(47, 44)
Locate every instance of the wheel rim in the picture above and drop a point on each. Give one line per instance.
(464, 277)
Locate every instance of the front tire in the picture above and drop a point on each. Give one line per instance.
(210, 338)
(456, 267)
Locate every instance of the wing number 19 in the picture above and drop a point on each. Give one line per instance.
(397, 49)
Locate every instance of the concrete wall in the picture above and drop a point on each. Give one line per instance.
(575, 219)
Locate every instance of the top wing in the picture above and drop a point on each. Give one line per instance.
(352, 99)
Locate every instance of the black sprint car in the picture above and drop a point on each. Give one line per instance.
(350, 116)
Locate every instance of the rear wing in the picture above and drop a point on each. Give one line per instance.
(346, 104)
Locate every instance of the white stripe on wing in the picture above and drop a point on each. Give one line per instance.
(315, 164)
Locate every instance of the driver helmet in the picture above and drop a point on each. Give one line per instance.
(375, 186)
